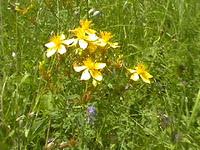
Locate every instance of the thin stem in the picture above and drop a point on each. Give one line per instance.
(48, 130)
(1, 26)
(195, 109)
(58, 16)
(87, 7)
(2, 92)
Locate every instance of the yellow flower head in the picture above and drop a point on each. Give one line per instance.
(105, 38)
(89, 69)
(56, 44)
(82, 39)
(79, 33)
(140, 71)
(85, 25)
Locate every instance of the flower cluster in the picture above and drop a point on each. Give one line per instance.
(86, 40)
(90, 44)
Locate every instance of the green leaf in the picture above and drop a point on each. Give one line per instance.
(46, 104)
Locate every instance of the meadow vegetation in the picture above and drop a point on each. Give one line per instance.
(100, 74)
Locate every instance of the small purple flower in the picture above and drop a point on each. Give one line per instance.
(91, 112)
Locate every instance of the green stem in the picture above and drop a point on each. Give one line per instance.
(2, 93)
(48, 130)
(87, 6)
(58, 16)
(195, 109)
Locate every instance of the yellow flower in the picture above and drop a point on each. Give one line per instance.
(82, 39)
(89, 69)
(83, 35)
(56, 44)
(85, 25)
(104, 40)
(140, 71)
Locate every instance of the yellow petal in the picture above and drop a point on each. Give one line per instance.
(146, 80)
(50, 52)
(83, 44)
(96, 75)
(85, 75)
(79, 68)
(94, 82)
(146, 76)
(134, 77)
(62, 49)
(90, 31)
(99, 65)
(131, 70)
(50, 45)
(62, 36)
(101, 43)
(114, 45)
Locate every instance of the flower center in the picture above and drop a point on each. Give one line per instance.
(80, 33)
(89, 64)
(106, 36)
(140, 69)
(57, 40)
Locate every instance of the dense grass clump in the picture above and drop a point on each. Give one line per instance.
(47, 102)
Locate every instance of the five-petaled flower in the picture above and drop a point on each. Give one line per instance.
(83, 35)
(104, 40)
(85, 25)
(56, 44)
(81, 38)
(140, 71)
(89, 69)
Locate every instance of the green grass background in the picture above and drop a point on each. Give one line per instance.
(163, 34)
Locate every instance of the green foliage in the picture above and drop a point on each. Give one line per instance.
(51, 111)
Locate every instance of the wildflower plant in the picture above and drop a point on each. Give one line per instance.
(98, 55)
(87, 39)
(93, 60)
